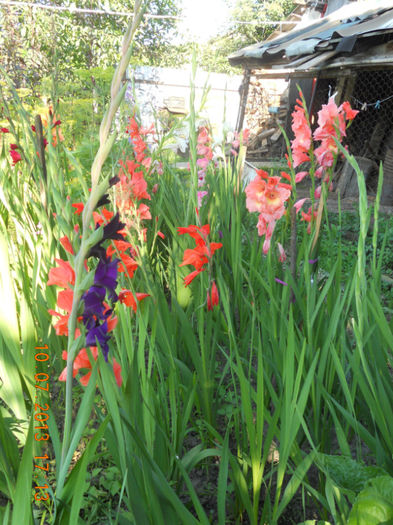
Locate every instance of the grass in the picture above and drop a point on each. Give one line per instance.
(271, 408)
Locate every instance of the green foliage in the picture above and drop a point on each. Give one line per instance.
(347, 473)
(213, 55)
(373, 505)
(222, 415)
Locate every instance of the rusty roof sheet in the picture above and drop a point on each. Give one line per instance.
(354, 20)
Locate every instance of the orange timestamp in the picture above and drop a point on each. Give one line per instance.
(41, 417)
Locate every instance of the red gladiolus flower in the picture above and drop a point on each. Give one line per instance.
(65, 242)
(82, 361)
(16, 157)
(78, 207)
(14, 146)
(4, 130)
(127, 264)
(127, 297)
(308, 217)
(350, 113)
(202, 253)
(104, 217)
(213, 299)
(63, 275)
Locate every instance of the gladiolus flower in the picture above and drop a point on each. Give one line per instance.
(65, 242)
(203, 251)
(299, 204)
(127, 297)
(267, 198)
(78, 207)
(16, 157)
(350, 113)
(308, 218)
(213, 298)
(63, 275)
(282, 257)
(302, 142)
(300, 176)
(82, 361)
(4, 130)
(201, 194)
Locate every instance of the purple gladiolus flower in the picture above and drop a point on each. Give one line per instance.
(312, 261)
(99, 334)
(106, 276)
(111, 231)
(94, 308)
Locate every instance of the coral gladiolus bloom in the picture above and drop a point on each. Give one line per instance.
(301, 129)
(268, 199)
(127, 297)
(63, 275)
(82, 361)
(66, 243)
(350, 113)
(203, 251)
(213, 298)
(78, 207)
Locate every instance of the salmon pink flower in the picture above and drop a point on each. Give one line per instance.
(267, 198)
(302, 131)
(331, 121)
(299, 204)
(63, 275)
(66, 243)
(201, 194)
(300, 176)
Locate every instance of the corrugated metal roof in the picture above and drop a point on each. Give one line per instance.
(355, 20)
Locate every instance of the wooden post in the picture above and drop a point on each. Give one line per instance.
(41, 145)
(243, 99)
(41, 151)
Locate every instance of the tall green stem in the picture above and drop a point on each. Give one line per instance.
(89, 239)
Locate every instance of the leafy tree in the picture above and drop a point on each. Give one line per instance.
(35, 42)
(213, 55)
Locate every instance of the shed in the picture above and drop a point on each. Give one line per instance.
(347, 51)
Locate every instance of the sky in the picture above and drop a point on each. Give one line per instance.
(203, 19)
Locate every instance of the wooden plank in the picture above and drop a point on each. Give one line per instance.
(316, 61)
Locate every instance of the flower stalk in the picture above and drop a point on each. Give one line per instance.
(90, 239)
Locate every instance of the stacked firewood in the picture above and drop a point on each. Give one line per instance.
(265, 113)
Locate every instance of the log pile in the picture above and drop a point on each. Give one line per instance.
(265, 111)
